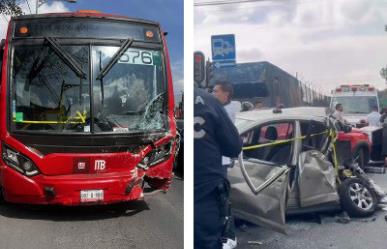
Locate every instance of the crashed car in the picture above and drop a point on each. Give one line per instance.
(289, 165)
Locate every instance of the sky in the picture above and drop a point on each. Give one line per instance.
(325, 42)
(169, 13)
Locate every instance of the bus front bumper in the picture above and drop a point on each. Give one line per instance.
(70, 190)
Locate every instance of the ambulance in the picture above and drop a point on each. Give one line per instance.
(357, 101)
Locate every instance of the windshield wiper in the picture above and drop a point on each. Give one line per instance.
(66, 58)
(127, 43)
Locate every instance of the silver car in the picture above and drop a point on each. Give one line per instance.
(289, 165)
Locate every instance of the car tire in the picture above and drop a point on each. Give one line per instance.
(357, 198)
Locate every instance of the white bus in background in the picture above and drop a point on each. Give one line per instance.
(357, 101)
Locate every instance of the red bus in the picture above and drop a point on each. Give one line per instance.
(86, 109)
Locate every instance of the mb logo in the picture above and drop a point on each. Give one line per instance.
(99, 165)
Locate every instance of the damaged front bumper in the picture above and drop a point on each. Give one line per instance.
(68, 190)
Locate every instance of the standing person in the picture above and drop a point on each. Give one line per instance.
(373, 118)
(383, 115)
(338, 113)
(214, 136)
(224, 91)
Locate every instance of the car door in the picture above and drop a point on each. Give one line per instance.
(316, 175)
(259, 183)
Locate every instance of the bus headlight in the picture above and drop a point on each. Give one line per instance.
(19, 162)
(156, 156)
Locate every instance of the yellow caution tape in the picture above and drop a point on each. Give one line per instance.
(79, 116)
(331, 134)
(280, 141)
(47, 122)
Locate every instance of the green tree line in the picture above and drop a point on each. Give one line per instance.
(10, 7)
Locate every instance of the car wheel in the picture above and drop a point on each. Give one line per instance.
(359, 157)
(357, 198)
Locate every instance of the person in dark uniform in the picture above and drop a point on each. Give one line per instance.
(214, 136)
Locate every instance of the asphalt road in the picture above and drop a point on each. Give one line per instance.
(306, 232)
(156, 224)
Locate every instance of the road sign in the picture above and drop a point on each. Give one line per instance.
(223, 50)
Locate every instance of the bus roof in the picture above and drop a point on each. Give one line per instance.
(86, 15)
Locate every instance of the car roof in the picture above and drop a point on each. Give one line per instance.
(303, 113)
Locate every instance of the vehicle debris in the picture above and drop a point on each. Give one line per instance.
(343, 218)
(256, 242)
(369, 220)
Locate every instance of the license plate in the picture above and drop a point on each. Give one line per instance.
(91, 195)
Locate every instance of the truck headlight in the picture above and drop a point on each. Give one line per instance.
(157, 155)
(19, 162)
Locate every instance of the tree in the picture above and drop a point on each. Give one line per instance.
(10, 7)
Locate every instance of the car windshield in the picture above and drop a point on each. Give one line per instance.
(355, 105)
(48, 95)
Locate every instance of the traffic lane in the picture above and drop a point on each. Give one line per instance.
(158, 223)
(307, 232)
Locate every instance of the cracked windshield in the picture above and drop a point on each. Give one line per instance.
(51, 89)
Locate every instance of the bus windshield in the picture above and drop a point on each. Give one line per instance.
(49, 95)
(356, 105)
